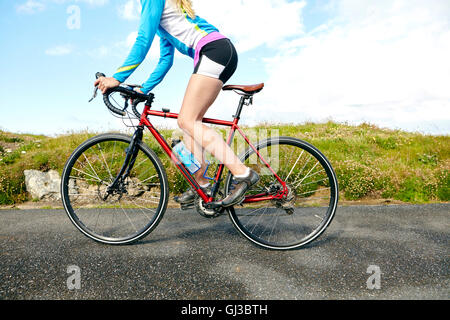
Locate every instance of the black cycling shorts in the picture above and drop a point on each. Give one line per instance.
(218, 59)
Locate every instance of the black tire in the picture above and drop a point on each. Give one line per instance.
(129, 213)
(303, 215)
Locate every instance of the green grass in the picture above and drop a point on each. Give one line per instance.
(9, 139)
(370, 162)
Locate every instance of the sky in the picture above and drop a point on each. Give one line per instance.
(385, 62)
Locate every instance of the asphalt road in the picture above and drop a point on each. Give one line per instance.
(190, 257)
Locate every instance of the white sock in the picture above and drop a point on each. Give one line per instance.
(245, 175)
(204, 185)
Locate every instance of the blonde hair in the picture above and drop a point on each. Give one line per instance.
(185, 6)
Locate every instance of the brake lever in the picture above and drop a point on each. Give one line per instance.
(94, 95)
(97, 75)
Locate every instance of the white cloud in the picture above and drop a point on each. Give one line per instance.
(30, 7)
(384, 62)
(90, 2)
(33, 6)
(131, 39)
(250, 23)
(121, 48)
(94, 2)
(60, 50)
(99, 52)
(130, 10)
(154, 49)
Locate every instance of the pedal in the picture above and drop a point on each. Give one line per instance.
(289, 210)
(213, 205)
(186, 206)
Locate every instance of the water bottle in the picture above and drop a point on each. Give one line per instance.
(185, 156)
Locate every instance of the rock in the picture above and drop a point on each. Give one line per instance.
(43, 185)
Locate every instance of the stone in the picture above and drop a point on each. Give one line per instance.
(43, 185)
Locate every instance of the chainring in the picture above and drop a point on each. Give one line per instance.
(207, 213)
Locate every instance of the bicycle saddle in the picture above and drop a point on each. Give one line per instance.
(246, 89)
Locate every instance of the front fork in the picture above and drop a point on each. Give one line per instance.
(130, 159)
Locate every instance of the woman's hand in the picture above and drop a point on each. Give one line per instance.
(106, 83)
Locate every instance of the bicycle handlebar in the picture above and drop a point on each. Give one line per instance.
(127, 93)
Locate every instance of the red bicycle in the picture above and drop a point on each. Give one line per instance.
(115, 189)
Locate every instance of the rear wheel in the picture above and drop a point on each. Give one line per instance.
(302, 214)
(114, 214)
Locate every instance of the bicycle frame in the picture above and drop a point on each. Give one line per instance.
(245, 100)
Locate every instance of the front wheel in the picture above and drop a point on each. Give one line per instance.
(107, 201)
(304, 212)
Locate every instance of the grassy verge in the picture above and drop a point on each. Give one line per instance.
(371, 163)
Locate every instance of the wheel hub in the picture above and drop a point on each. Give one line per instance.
(287, 201)
(110, 192)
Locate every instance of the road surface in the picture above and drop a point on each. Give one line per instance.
(368, 252)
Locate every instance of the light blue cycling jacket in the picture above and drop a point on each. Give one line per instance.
(176, 31)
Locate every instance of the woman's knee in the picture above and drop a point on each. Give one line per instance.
(186, 124)
(193, 128)
(182, 123)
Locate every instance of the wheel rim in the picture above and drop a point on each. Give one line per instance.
(305, 212)
(116, 215)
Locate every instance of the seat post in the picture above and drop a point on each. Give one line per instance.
(242, 102)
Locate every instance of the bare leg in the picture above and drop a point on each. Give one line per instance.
(199, 154)
(201, 92)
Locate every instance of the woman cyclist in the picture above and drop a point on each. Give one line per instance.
(215, 60)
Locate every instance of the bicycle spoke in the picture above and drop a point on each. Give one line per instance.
(106, 165)
(92, 167)
(83, 179)
(309, 177)
(259, 219)
(129, 219)
(148, 178)
(83, 194)
(273, 226)
(320, 218)
(294, 166)
(136, 166)
(304, 166)
(313, 198)
(324, 179)
(96, 178)
(307, 192)
(113, 154)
